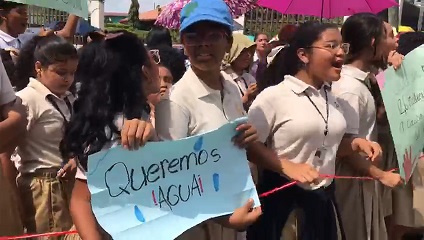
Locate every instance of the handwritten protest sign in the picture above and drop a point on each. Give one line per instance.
(403, 96)
(165, 188)
(77, 7)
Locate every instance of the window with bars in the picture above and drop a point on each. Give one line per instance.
(264, 20)
(39, 16)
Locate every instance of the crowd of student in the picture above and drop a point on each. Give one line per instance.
(314, 109)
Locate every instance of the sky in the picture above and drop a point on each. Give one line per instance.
(123, 5)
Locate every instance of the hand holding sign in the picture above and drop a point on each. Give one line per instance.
(244, 216)
(174, 185)
(135, 133)
(403, 96)
(395, 59)
(246, 135)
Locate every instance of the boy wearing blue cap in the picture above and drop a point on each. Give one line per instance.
(203, 101)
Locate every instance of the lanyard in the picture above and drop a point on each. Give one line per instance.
(245, 84)
(327, 110)
(51, 100)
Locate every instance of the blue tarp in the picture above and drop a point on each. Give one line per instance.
(83, 27)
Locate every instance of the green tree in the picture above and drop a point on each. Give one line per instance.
(133, 14)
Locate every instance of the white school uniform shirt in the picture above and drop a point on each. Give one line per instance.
(288, 121)
(359, 110)
(193, 108)
(7, 41)
(241, 82)
(357, 102)
(40, 148)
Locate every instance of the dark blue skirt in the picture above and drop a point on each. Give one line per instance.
(319, 218)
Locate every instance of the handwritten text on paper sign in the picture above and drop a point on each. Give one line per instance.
(403, 96)
(171, 195)
(176, 184)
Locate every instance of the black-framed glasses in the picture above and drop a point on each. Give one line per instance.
(193, 38)
(334, 47)
(155, 55)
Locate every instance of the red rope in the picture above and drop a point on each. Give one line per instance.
(265, 194)
(52, 234)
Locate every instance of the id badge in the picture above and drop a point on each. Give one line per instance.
(320, 155)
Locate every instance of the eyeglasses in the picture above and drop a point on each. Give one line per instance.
(193, 38)
(155, 55)
(334, 47)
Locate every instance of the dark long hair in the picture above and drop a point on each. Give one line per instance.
(172, 59)
(359, 30)
(25, 64)
(45, 49)
(110, 74)
(159, 36)
(286, 61)
(409, 41)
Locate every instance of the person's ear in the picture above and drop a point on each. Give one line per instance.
(38, 68)
(3, 15)
(303, 55)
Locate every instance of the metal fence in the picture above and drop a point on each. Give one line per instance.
(264, 20)
(39, 16)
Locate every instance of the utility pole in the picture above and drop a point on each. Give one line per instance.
(393, 16)
(96, 10)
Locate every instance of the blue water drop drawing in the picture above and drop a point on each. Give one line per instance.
(198, 145)
(215, 177)
(139, 214)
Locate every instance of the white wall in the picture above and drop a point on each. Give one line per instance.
(96, 9)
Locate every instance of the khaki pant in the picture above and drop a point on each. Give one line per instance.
(46, 202)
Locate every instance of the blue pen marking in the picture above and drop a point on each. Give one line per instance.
(139, 214)
(198, 145)
(215, 177)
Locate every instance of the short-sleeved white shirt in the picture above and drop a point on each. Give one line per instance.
(288, 121)
(242, 82)
(193, 108)
(7, 41)
(357, 102)
(40, 146)
(7, 94)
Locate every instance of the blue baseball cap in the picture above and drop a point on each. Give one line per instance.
(206, 10)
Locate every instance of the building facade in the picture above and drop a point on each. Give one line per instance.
(39, 16)
(264, 20)
(112, 17)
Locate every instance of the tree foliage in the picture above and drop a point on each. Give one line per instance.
(140, 33)
(133, 14)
